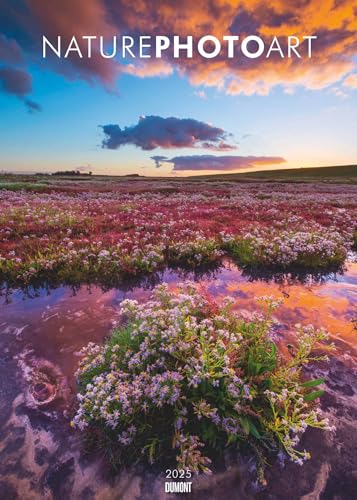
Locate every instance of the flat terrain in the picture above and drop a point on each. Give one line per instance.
(334, 174)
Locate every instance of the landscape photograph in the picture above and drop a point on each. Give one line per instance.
(178, 250)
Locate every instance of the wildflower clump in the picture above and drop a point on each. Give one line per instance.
(315, 248)
(201, 251)
(185, 378)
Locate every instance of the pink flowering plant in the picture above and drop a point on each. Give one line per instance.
(183, 378)
(102, 233)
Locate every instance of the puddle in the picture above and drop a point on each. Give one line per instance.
(41, 335)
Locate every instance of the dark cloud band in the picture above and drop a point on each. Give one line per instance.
(218, 163)
(157, 132)
(15, 81)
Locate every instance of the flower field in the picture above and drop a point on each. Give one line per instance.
(90, 235)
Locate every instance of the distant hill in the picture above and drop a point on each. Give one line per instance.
(335, 174)
(339, 173)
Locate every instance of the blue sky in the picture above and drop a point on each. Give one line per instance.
(307, 128)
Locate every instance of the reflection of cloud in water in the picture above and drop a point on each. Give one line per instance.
(324, 302)
(61, 321)
(55, 324)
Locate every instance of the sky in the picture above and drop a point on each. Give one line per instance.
(177, 116)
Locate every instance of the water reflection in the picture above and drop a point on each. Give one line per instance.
(304, 277)
(197, 274)
(63, 319)
(42, 330)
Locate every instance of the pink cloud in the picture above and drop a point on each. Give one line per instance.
(217, 163)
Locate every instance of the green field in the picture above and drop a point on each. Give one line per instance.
(333, 174)
(344, 173)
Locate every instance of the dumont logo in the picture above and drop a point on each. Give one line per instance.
(178, 487)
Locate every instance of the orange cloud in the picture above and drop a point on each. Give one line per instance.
(145, 69)
(335, 24)
(351, 81)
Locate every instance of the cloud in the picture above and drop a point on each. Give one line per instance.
(152, 68)
(68, 18)
(18, 82)
(351, 81)
(23, 22)
(32, 107)
(155, 131)
(158, 160)
(220, 163)
(10, 51)
(201, 94)
(334, 22)
(15, 81)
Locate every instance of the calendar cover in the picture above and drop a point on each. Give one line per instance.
(178, 249)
